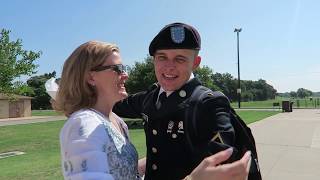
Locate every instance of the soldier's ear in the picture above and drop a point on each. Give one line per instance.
(196, 62)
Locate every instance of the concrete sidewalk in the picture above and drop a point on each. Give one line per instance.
(32, 119)
(288, 145)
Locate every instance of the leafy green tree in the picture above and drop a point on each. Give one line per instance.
(41, 98)
(246, 96)
(141, 76)
(302, 93)
(260, 90)
(205, 75)
(285, 94)
(293, 94)
(227, 83)
(267, 91)
(14, 62)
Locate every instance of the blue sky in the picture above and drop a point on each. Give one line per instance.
(279, 41)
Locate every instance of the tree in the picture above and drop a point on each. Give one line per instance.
(302, 93)
(260, 90)
(205, 75)
(14, 62)
(293, 94)
(227, 83)
(247, 96)
(41, 98)
(141, 76)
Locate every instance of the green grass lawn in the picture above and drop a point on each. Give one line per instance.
(138, 139)
(250, 116)
(40, 142)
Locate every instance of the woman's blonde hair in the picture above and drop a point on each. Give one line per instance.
(74, 91)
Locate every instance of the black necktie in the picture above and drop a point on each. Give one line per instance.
(161, 100)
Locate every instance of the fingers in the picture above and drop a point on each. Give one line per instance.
(218, 158)
(240, 167)
(209, 168)
(246, 159)
(142, 166)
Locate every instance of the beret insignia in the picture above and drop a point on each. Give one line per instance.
(177, 34)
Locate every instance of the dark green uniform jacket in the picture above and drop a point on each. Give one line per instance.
(169, 155)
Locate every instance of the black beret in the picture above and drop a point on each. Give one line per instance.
(176, 36)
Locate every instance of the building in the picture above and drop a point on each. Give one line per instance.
(20, 106)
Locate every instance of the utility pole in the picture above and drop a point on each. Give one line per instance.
(239, 88)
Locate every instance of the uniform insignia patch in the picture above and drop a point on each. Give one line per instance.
(170, 126)
(177, 34)
(217, 138)
(180, 127)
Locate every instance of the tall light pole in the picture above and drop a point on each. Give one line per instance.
(239, 88)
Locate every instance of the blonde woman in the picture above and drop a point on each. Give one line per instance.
(95, 141)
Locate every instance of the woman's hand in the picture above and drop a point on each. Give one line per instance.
(142, 166)
(210, 167)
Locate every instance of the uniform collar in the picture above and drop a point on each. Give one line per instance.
(184, 92)
(177, 100)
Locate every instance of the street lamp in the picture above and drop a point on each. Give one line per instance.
(239, 89)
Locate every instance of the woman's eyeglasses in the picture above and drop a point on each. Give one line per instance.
(119, 68)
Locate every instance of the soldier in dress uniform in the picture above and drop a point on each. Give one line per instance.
(163, 108)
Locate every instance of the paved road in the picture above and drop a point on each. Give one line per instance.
(27, 120)
(289, 145)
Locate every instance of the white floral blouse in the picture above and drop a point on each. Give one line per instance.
(91, 148)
